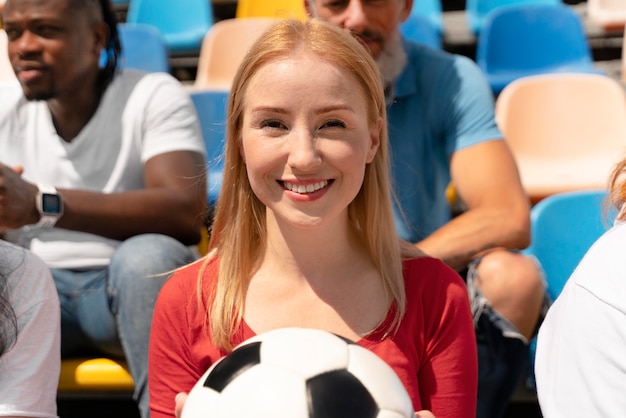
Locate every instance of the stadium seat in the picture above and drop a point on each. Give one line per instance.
(224, 47)
(94, 375)
(6, 71)
(431, 10)
(566, 131)
(609, 14)
(421, 30)
(476, 11)
(143, 48)
(271, 8)
(183, 23)
(523, 40)
(211, 107)
(563, 228)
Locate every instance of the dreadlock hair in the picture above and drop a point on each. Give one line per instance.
(114, 48)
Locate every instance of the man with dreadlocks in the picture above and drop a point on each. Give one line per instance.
(101, 174)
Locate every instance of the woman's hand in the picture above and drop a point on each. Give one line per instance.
(424, 414)
(180, 402)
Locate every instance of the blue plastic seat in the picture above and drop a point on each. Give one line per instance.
(431, 10)
(476, 11)
(143, 48)
(183, 23)
(529, 39)
(421, 30)
(563, 228)
(211, 106)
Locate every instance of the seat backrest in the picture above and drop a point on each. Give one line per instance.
(183, 23)
(421, 30)
(143, 48)
(271, 8)
(431, 10)
(224, 47)
(211, 107)
(477, 10)
(6, 71)
(563, 228)
(563, 115)
(566, 131)
(533, 37)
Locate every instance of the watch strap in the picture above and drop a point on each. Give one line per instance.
(46, 220)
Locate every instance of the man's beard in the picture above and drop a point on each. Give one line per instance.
(391, 61)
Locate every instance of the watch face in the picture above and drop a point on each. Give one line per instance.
(51, 203)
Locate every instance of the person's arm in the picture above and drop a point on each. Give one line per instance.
(498, 212)
(171, 368)
(448, 373)
(172, 203)
(29, 369)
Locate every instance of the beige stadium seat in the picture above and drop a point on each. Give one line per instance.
(223, 49)
(566, 131)
(6, 71)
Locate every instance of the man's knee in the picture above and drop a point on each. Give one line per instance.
(151, 252)
(515, 287)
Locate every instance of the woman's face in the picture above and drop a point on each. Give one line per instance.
(306, 139)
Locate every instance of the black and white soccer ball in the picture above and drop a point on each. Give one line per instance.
(299, 373)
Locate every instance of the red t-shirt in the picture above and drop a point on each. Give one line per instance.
(433, 351)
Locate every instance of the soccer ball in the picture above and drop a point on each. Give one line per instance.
(299, 373)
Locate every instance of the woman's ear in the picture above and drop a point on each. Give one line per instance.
(375, 133)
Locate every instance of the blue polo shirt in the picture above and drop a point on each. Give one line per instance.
(442, 103)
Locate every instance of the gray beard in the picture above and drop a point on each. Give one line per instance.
(391, 61)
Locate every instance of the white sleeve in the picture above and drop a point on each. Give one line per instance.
(580, 364)
(29, 371)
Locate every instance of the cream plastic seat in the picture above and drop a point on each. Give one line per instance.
(271, 8)
(609, 14)
(566, 131)
(6, 71)
(223, 48)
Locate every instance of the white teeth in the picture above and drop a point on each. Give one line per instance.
(309, 188)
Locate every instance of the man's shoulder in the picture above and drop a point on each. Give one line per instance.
(10, 92)
(129, 79)
(435, 59)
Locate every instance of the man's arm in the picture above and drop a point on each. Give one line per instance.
(173, 202)
(498, 212)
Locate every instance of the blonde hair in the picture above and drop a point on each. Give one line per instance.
(239, 228)
(617, 187)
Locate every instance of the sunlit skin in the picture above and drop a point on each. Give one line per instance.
(305, 126)
(374, 21)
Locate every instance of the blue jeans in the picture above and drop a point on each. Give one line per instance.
(109, 310)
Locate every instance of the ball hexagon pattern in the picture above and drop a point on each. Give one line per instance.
(299, 373)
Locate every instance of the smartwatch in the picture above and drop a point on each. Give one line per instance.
(49, 205)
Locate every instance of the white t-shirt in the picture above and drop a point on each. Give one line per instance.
(580, 362)
(29, 371)
(140, 116)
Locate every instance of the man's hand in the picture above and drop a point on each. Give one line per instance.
(17, 199)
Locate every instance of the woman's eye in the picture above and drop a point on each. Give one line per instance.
(271, 123)
(334, 123)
